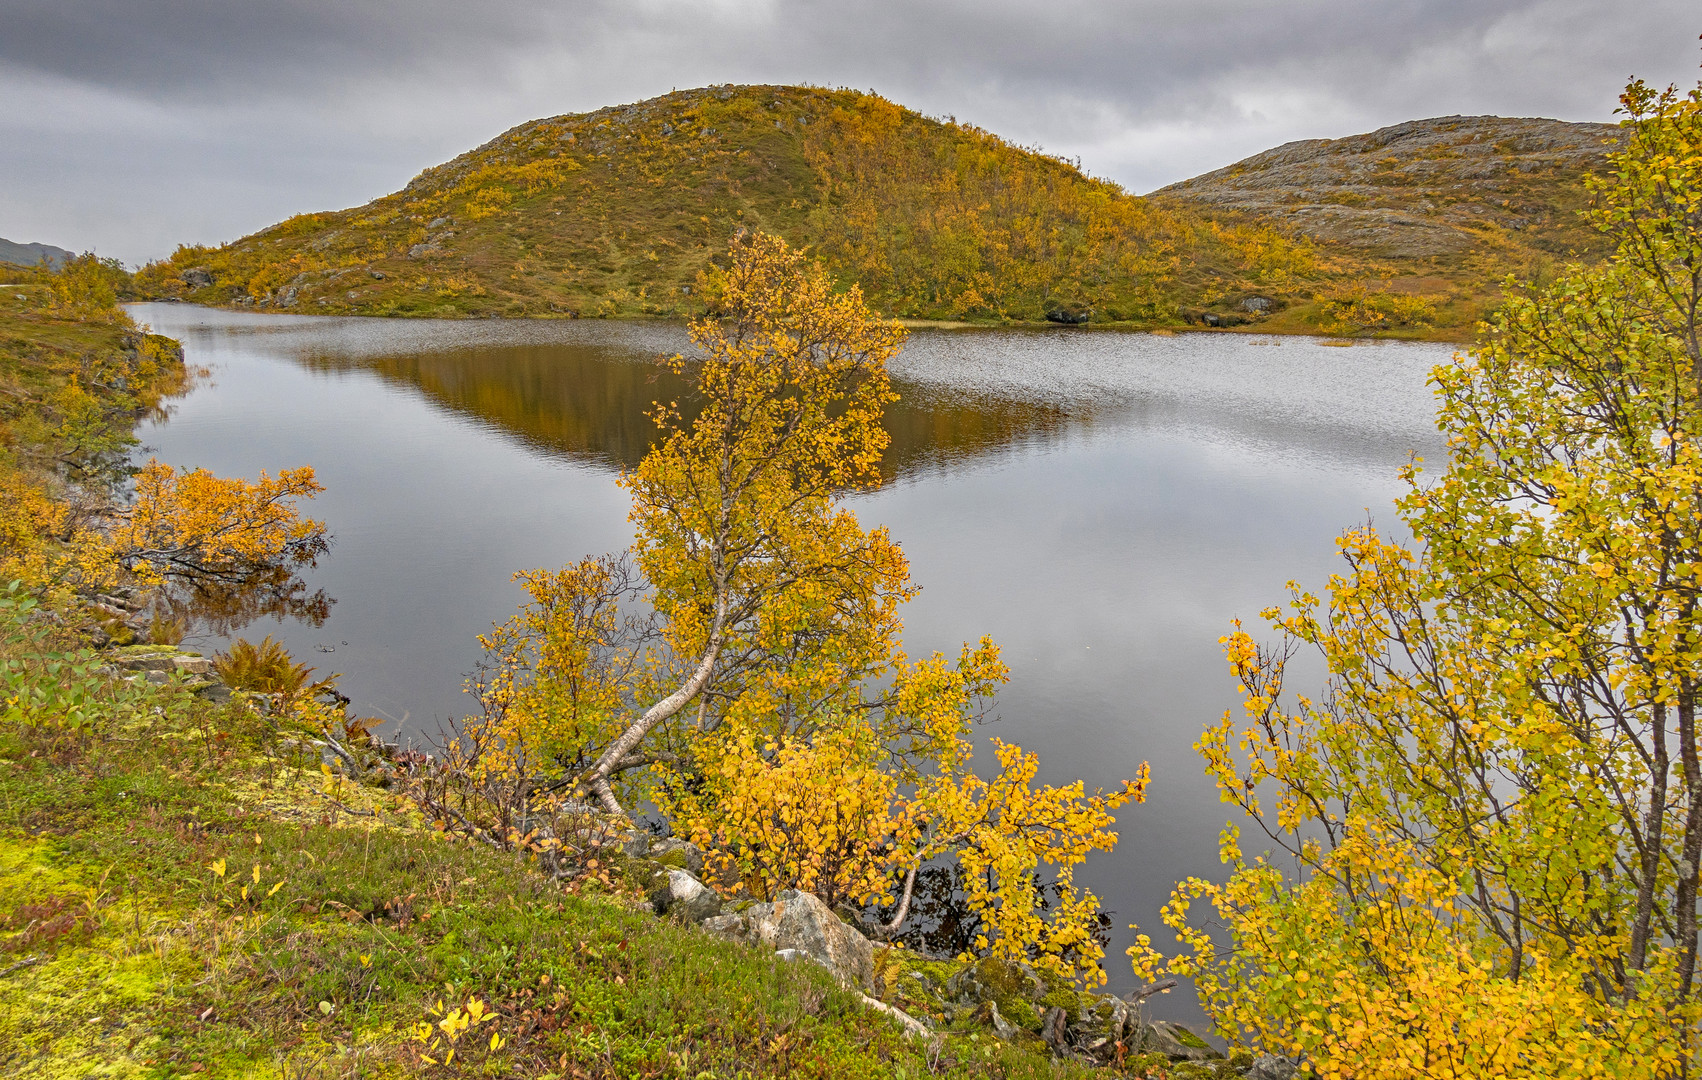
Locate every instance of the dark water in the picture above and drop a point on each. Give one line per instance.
(1100, 504)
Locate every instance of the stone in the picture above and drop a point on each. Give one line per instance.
(192, 665)
(681, 854)
(148, 662)
(377, 275)
(987, 1015)
(1067, 317)
(731, 927)
(799, 920)
(635, 844)
(197, 277)
(1054, 1029)
(1273, 1067)
(288, 297)
(1173, 1041)
(1256, 305)
(438, 223)
(680, 895)
(1212, 318)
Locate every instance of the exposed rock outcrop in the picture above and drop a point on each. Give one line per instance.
(1421, 188)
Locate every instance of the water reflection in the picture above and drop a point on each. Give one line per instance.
(593, 402)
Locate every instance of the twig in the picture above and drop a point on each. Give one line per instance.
(1149, 990)
(20, 965)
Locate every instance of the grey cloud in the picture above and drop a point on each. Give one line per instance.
(261, 109)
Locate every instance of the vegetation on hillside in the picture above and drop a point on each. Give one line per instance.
(1494, 812)
(616, 212)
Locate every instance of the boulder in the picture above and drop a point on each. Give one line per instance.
(1054, 1029)
(197, 277)
(677, 893)
(1173, 1041)
(677, 853)
(798, 920)
(987, 1015)
(1256, 305)
(730, 927)
(1067, 316)
(1273, 1067)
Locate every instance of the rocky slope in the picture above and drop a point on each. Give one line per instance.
(1425, 189)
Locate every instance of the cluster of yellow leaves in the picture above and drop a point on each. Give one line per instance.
(192, 522)
(1495, 812)
(1391, 986)
(443, 1034)
(1355, 308)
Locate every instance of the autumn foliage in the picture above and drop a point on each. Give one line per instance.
(77, 519)
(741, 667)
(1484, 836)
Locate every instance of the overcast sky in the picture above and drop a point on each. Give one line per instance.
(130, 126)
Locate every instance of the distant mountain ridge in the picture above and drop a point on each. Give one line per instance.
(1420, 189)
(1408, 229)
(33, 254)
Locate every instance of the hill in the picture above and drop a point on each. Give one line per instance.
(1463, 200)
(615, 212)
(32, 254)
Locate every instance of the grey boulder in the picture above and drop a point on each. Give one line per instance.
(677, 853)
(800, 921)
(1273, 1067)
(677, 893)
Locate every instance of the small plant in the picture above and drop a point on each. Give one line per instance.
(266, 668)
(444, 1036)
(165, 629)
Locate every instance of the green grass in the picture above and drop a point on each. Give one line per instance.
(125, 954)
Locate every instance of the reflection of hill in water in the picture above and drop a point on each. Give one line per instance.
(591, 403)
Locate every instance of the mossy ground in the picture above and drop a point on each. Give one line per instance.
(341, 922)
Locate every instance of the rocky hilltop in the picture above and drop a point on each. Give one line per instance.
(1424, 189)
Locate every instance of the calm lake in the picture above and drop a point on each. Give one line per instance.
(1101, 504)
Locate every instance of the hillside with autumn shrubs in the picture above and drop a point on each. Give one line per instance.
(616, 212)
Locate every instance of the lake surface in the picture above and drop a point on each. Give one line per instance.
(1101, 504)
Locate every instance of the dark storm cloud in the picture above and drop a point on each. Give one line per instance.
(134, 124)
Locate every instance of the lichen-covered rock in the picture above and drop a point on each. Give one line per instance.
(679, 854)
(730, 926)
(1174, 1041)
(798, 920)
(678, 894)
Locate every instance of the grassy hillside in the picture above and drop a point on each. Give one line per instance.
(615, 212)
(184, 891)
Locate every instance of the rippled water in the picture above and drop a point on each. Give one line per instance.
(1101, 504)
